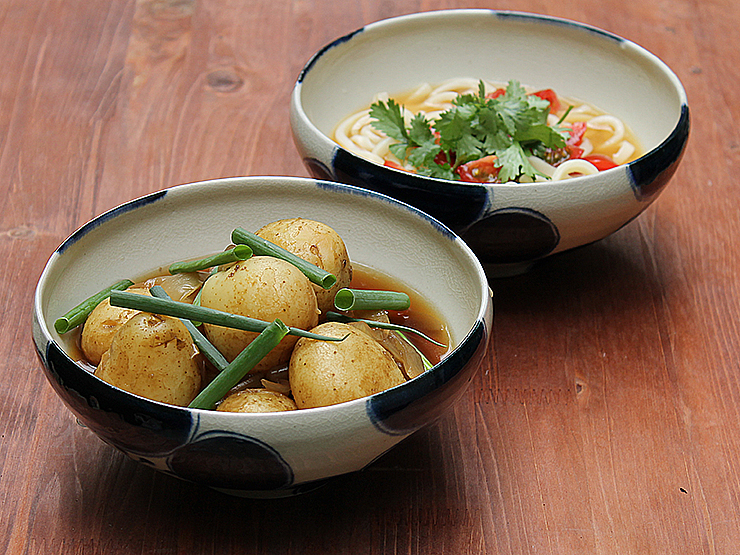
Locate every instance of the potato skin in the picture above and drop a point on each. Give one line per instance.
(265, 288)
(318, 244)
(153, 356)
(102, 324)
(326, 373)
(256, 400)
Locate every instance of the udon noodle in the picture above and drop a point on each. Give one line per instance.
(605, 135)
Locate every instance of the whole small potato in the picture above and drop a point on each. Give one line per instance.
(153, 356)
(102, 324)
(256, 400)
(328, 372)
(318, 244)
(265, 288)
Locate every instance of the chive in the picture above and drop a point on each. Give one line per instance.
(264, 247)
(239, 252)
(79, 314)
(205, 346)
(424, 360)
(565, 115)
(362, 299)
(336, 317)
(240, 366)
(168, 307)
(196, 301)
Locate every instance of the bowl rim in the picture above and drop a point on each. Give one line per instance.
(296, 103)
(43, 327)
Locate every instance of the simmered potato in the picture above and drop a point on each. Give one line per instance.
(328, 372)
(318, 244)
(154, 357)
(102, 324)
(257, 400)
(265, 288)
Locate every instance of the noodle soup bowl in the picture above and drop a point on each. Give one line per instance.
(508, 225)
(269, 454)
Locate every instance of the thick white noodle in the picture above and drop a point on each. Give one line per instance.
(581, 113)
(626, 150)
(577, 165)
(460, 85)
(421, 92)
(587, 146)
(370, 132)
(439, 101)
(608, 123)
(383, 147)
(541, 166)
(344, 135)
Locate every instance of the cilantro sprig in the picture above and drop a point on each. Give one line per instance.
(511, 127)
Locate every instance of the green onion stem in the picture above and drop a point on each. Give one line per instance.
(336, 317)
(239, 252)
(424, 360)
(200, 340)
(365, 299)
(264, 247)
(565, 115)
(196, 301)
(240, 366)
(168, 307)
(79, 314)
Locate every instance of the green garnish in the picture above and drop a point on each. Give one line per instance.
(424, 360)
(204, 346)
(196, 300)
(177, 309)
(365, 299)
(336, 317)
(239, 252)
(264, 247)
(510, 127)
(240, 366)
(79, 314)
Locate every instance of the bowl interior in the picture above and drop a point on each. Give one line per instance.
(195, 220)
(581, 62)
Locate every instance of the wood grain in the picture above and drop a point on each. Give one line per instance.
(606, 419)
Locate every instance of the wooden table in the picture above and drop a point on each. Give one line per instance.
(607, 417)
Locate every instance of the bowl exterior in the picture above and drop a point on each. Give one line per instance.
(260, 454)
(503, 223)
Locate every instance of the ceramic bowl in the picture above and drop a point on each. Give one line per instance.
(508, 225)
(261, 454)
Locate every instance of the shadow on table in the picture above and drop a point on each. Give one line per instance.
(408, 495)
(409, 500)
(607, 270)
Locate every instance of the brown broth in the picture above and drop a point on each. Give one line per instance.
(421, 316)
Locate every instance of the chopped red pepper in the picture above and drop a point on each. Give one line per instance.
(551, 97)
(394, 165)
(577, 131)
(496, 93)
(601, 162)
(545, 94)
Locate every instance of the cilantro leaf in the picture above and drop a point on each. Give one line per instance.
(542, 133)
(420, 132)
(514, 163)
(423, 156)
(511, 127)
(457, 133)
(389, 119)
